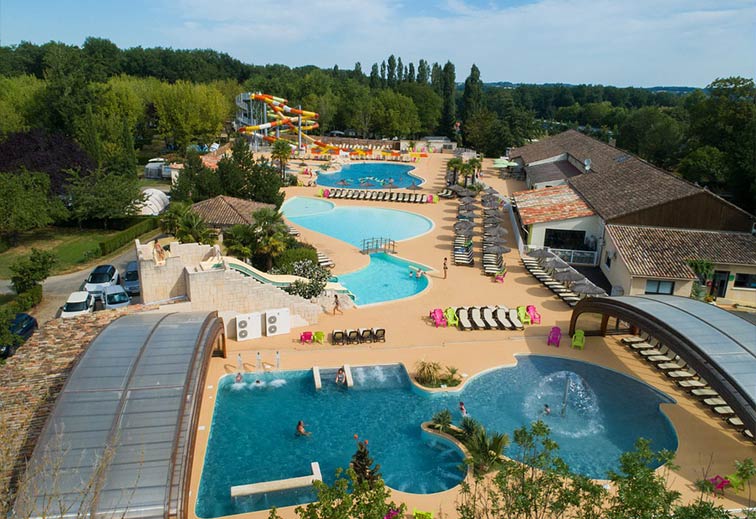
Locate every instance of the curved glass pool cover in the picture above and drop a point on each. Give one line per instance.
(252, 437)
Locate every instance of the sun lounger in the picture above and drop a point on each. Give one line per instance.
(736, 422)
(714, 401)
(724, 410)
(515, 320)
(464, 319)
(501, 313)
(637, 346)
(366, 334)
(352, 336)
(680, 374)
(338, 337)
(379, 335)
(477, 318)
(691, 383)
(646, 352)
(392, 198)
(706, 392)
(674, 365)
(488, 317)
(632, 340)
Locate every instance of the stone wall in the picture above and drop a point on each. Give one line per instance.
(163, 280)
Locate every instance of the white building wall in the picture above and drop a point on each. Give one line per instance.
(590, 224)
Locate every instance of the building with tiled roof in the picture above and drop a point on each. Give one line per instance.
(642, 260)
(550, 174)
(557, 217)
(224, 211)
(624, 189)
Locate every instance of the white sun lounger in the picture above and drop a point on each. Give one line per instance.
(464, 319)
(691, 383)
(515, 320)
(488, 317)
(714, 401)
(706, 392)
(501, 313)
(477, 318)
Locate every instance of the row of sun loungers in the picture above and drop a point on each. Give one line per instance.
(324, 260)
(559, 289)
(378, 195)
(447, 193)
(361, 335)
(674, 367)
(293, 231)
(477, 318)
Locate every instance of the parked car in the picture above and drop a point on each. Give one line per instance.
(115, 297)
(131, 279)
(102, 276)
(78, 303)
(23, 325)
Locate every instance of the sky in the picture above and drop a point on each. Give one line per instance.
(612, 42)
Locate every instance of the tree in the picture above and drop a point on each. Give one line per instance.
(317, 278)
(391, 72)
(642, 492)
(472, 97)
(281, 152)
(240, 241)
(191, 228)
(448, 91)
(410, 76)
(20, 103)
(653, 135)
(32, 270)
(375, 78)
(25, 204)
(706, 166)
(102, 58)
(363, 465)
(423, 72)
(103, 196)
(486, 450)
(270, 234)
(169, 220)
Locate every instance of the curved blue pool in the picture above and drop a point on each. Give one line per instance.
(252, 435)
(371, 175)
(352, 224)
(386, 278)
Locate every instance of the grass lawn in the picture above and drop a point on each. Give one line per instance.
(69, 245)
(6, 298)
(154, 182)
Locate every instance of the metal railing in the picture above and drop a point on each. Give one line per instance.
(369, 245)
(574, 257)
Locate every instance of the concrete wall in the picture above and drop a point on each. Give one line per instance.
(161, 281)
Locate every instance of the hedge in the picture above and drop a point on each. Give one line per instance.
(287, 258)
(117, 241)
(25, 300)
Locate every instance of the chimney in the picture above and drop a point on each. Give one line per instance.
(587, 165)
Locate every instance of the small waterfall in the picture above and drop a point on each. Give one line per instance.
(371, 377)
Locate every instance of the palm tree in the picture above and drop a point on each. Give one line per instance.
(270, 234)
(466, 170)
(427, 373)
(170, 218)
(442, 420)
(191, 228)
(455, 165)
(485, 450)
(282, 153)
(239, 241)
(476, 165)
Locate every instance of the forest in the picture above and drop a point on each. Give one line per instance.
(111, 102)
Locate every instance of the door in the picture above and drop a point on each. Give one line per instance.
(719, 283)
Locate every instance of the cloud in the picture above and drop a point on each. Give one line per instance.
(642, 42)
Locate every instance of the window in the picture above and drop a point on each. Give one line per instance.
(745, 280)
(564, 239)
(656, 286)
(608, 260)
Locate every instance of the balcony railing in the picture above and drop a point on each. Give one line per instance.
(574, 257)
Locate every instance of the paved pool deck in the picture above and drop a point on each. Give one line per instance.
(704, 440)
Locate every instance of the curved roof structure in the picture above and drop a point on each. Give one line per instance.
(718, 345)
(119, 440)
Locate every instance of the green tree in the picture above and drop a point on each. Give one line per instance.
(20, 103)
(25, 204)
(391, 72)
(102, 59)
(423, 72)
(448, 93)
(169, 220)
(240, 241)
(653, 135)
(642, 493)
(485, 450)
(365, 469)
(103, 196)
(270, 234)
(281, 153)
(472, 97)
(706, 166)
(31, 270)
(191, 228)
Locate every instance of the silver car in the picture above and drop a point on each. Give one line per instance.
(115, 297)
(130, 279)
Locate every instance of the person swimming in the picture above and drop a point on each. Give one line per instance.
(340, 376)
(301, 429)
(462, 409)
(238, 378)
(546, 409)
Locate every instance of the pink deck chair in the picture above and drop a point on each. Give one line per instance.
(438, 317)
(535, 317)
(555, 336)
(305, 337)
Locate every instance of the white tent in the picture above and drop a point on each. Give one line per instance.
(155, 202)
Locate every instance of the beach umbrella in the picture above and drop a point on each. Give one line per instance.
(494, 218)
(467, 200)
(494, 240)
(555, 263)
(414, 187)
(496, 249)
(490, 196)
(456, 188)
(467, 192)
(490, 190)
(540, 253)
(463, 224)
(467, 214)
(568, 275)
(490, 204)
(587, 288)
(390, 185)
(497, 231)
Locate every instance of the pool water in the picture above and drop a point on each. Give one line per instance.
(252, 434)
(352, 224)
(386, 278)
(373, 175)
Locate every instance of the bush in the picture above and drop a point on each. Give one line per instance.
(31, 270)
(122, 238)
(317, 278)
(285, 261)
(24, 301)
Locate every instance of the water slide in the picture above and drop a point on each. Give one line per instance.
(282, 113)
(277, 280)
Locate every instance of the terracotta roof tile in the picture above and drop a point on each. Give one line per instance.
(550, 204)
(662, 252)
(224, 211)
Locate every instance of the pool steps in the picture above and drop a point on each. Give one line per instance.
(316, 377)
(278, 485)
(349, 379)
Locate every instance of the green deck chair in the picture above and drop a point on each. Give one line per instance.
(451, 317)
(417, 514)
(578, 340)
(523, 315)
(318, 337)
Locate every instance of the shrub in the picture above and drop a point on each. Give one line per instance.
(31, 270)
(284, 263)
(117, 241)
(24, 301)
(317, 276)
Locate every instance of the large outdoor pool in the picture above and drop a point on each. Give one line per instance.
(372, 175)
(252, 434)
(386, 278)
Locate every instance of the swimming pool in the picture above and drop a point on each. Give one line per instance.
(373, 175)
(252, 434)
(352, 224)
(386, 278)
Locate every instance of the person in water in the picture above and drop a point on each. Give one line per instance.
(341, 376)
(238, 377)
(546, 409)
(462, 409)
(301, 429)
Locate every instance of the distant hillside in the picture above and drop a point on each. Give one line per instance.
(671, 89)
